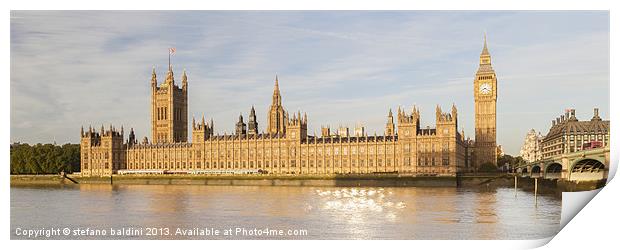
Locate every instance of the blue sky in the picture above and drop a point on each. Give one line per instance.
(74, 68)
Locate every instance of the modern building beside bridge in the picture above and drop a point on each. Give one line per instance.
(573, 150)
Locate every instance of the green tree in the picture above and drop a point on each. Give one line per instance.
(44, 158)
(510, 160)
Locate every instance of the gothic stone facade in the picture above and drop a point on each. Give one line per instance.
(438, 151)
(102, 153)
(415, 150)
(286, 147)
(169, 109)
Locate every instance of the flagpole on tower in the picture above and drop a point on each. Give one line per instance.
(170, 52)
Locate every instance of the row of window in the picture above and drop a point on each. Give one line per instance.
(589, 137)
(104, 155)
(571, 145)
(104, 165)
(425, 161)
(161, 156)
(423, 148)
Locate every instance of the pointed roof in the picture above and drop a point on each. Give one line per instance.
(485, 59)
(252, 117)
(276, 87)
(485, 50)
(277, 98)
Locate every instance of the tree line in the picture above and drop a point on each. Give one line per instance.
(44, 158)
(510, 160)
(504, 160)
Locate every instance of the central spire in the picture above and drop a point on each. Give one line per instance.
(277, 119)
(277, 99)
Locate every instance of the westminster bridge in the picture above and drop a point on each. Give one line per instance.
(586, 165)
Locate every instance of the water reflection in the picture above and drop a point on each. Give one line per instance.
(358, 204)
(486, 213)
(327, 213)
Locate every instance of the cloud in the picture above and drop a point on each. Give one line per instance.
(74, 68)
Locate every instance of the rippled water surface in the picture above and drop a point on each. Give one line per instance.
(313, 212)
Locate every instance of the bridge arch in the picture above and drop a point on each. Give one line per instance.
(588, 169)
(535, 171)
(587, 165)
(554, 168)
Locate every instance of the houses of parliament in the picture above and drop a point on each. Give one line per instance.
(405, 147)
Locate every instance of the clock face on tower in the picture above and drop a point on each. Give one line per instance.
(485, 88)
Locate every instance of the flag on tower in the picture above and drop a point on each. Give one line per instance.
(171, 51)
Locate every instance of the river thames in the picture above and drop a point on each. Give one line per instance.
(265, 212)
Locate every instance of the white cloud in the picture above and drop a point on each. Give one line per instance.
(77, 68)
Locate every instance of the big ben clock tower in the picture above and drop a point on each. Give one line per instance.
(485, 102)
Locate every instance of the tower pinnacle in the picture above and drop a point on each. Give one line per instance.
(153, 77)
(169, 81)
(485, 57)
(389, 126)
(184, 79)
(485, 50)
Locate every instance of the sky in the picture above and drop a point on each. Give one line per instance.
(79, 68)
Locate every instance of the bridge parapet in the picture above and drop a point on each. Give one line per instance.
(587, 165)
